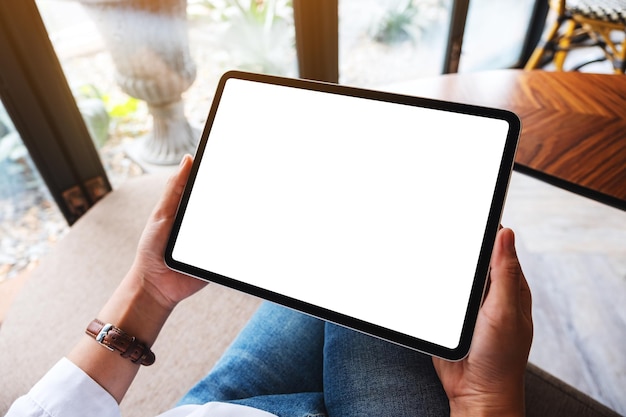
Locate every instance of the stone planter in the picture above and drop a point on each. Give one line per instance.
(149, 45)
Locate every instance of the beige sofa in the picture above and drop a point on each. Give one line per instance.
(67, 289)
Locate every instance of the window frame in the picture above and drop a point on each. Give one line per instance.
(37, 97)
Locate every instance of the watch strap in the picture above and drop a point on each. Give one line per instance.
(116, 339)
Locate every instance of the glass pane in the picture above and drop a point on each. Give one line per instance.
(383, 41)
(89, 41)
(249, 35)
(112, 117)
(30, 221)
(495, 31)
(139, 58)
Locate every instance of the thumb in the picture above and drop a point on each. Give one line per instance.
(506, 274)
(166, 208)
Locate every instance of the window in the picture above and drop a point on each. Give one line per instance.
(81, 85)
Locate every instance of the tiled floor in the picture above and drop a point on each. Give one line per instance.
(573, 252)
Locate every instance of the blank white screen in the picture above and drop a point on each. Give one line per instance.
(372, 209)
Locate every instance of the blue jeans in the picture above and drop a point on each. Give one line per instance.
(293, 365)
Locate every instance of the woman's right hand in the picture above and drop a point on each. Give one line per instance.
(490, 380)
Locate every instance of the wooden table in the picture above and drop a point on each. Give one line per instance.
(573, 124)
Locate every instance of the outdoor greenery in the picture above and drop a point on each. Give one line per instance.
(260, 37)
(11, 146)
(408, 20)
(14, 160)
(259, 33)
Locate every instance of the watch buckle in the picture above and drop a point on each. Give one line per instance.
(102, 335)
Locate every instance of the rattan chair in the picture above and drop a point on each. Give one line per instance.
(584, 23)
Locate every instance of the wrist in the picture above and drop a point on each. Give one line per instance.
(134, 310)
(137, 313)
(486, 407)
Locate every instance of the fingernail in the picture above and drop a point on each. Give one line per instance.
(509, 241)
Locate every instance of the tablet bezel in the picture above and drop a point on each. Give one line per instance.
(482, 268)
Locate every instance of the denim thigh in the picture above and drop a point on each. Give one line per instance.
(303, 404)
(279, 351)
(291, 364)
(367, 376)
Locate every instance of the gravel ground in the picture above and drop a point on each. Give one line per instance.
(30, 222)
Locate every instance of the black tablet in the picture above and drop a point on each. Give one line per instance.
(372, 210)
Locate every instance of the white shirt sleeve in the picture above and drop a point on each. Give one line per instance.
(215, 409)
(65, 391)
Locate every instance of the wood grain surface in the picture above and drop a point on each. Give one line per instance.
(573, 124)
